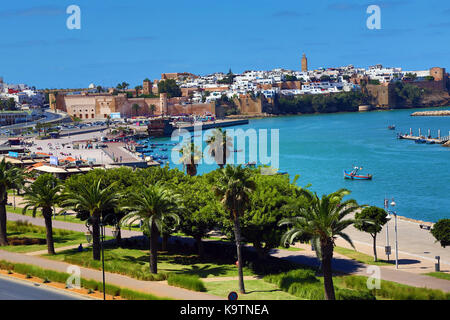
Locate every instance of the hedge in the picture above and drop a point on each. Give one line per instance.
(188, 282)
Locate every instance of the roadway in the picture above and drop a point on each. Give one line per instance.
(48, 117)
(12, 289)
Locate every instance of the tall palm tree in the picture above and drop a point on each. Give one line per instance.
(44, 193)
(233, 187)
(135, 107)
(219, 145)
(96, 200)
(153, 205)
(10, 177)
(190, 157)
(322, 221)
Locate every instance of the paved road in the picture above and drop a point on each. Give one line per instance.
(411, 240)
(22, 290)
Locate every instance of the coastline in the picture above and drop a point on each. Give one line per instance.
(375, 109)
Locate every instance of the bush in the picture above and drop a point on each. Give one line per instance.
(188, 282)
(133, 295)
(285, 280)
(441, 232)
(346, 294)
(307, 291)
(395, 291)
(300, 282)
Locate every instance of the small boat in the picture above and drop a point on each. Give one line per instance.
(391, 127)
(353, 175)
(431, 142)
(420, 141)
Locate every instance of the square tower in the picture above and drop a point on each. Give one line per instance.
(304, 63)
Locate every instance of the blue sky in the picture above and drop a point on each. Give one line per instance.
(134, 39)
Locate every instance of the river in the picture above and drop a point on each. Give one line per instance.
(319, 147)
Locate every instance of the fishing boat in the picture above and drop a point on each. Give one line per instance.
(353, 175)
(391, 127)
(420, 141)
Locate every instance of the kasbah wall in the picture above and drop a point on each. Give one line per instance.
(92, 106)
(384, 95)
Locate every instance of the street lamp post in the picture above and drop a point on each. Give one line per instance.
(387, 248)
(393, 204)
(115, 232)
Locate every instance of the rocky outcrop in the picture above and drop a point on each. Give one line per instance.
(447, 144)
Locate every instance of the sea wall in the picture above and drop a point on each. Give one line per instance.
(437, 113)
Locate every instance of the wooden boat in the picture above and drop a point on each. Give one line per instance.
(391, 127)
(353, 175)
(420, 141)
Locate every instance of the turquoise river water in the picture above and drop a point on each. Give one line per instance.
(320, 147)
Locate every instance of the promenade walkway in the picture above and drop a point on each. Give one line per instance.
(408, 273)
(156, 288)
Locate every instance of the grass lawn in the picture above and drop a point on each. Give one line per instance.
(255, 290)
(361, 257)
(135, 263)
(62, 238)
(440, 275)
(29, 213)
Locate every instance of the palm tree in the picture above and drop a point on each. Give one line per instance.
(233, 187)
(44, 193)
(10, 177)
(96, 201)
(322, 221)
(219, 146)
(153, 205)
(135, 107)
(153, 108)
(190, 157)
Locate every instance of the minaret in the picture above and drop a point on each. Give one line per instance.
(304, 63)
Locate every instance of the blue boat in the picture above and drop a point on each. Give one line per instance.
(420, 141)
(353, 175)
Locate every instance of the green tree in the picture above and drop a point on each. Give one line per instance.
(152, 108)
(268, 205)
(322, 221)
(10, 177)
(233, 187)
(441, 232)
(44, 194)
(220, 146)
(170, 87)
(371, 220)
(95, 201)
(290, 78)
(201, 209)
(135, 107)
(153, 205)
